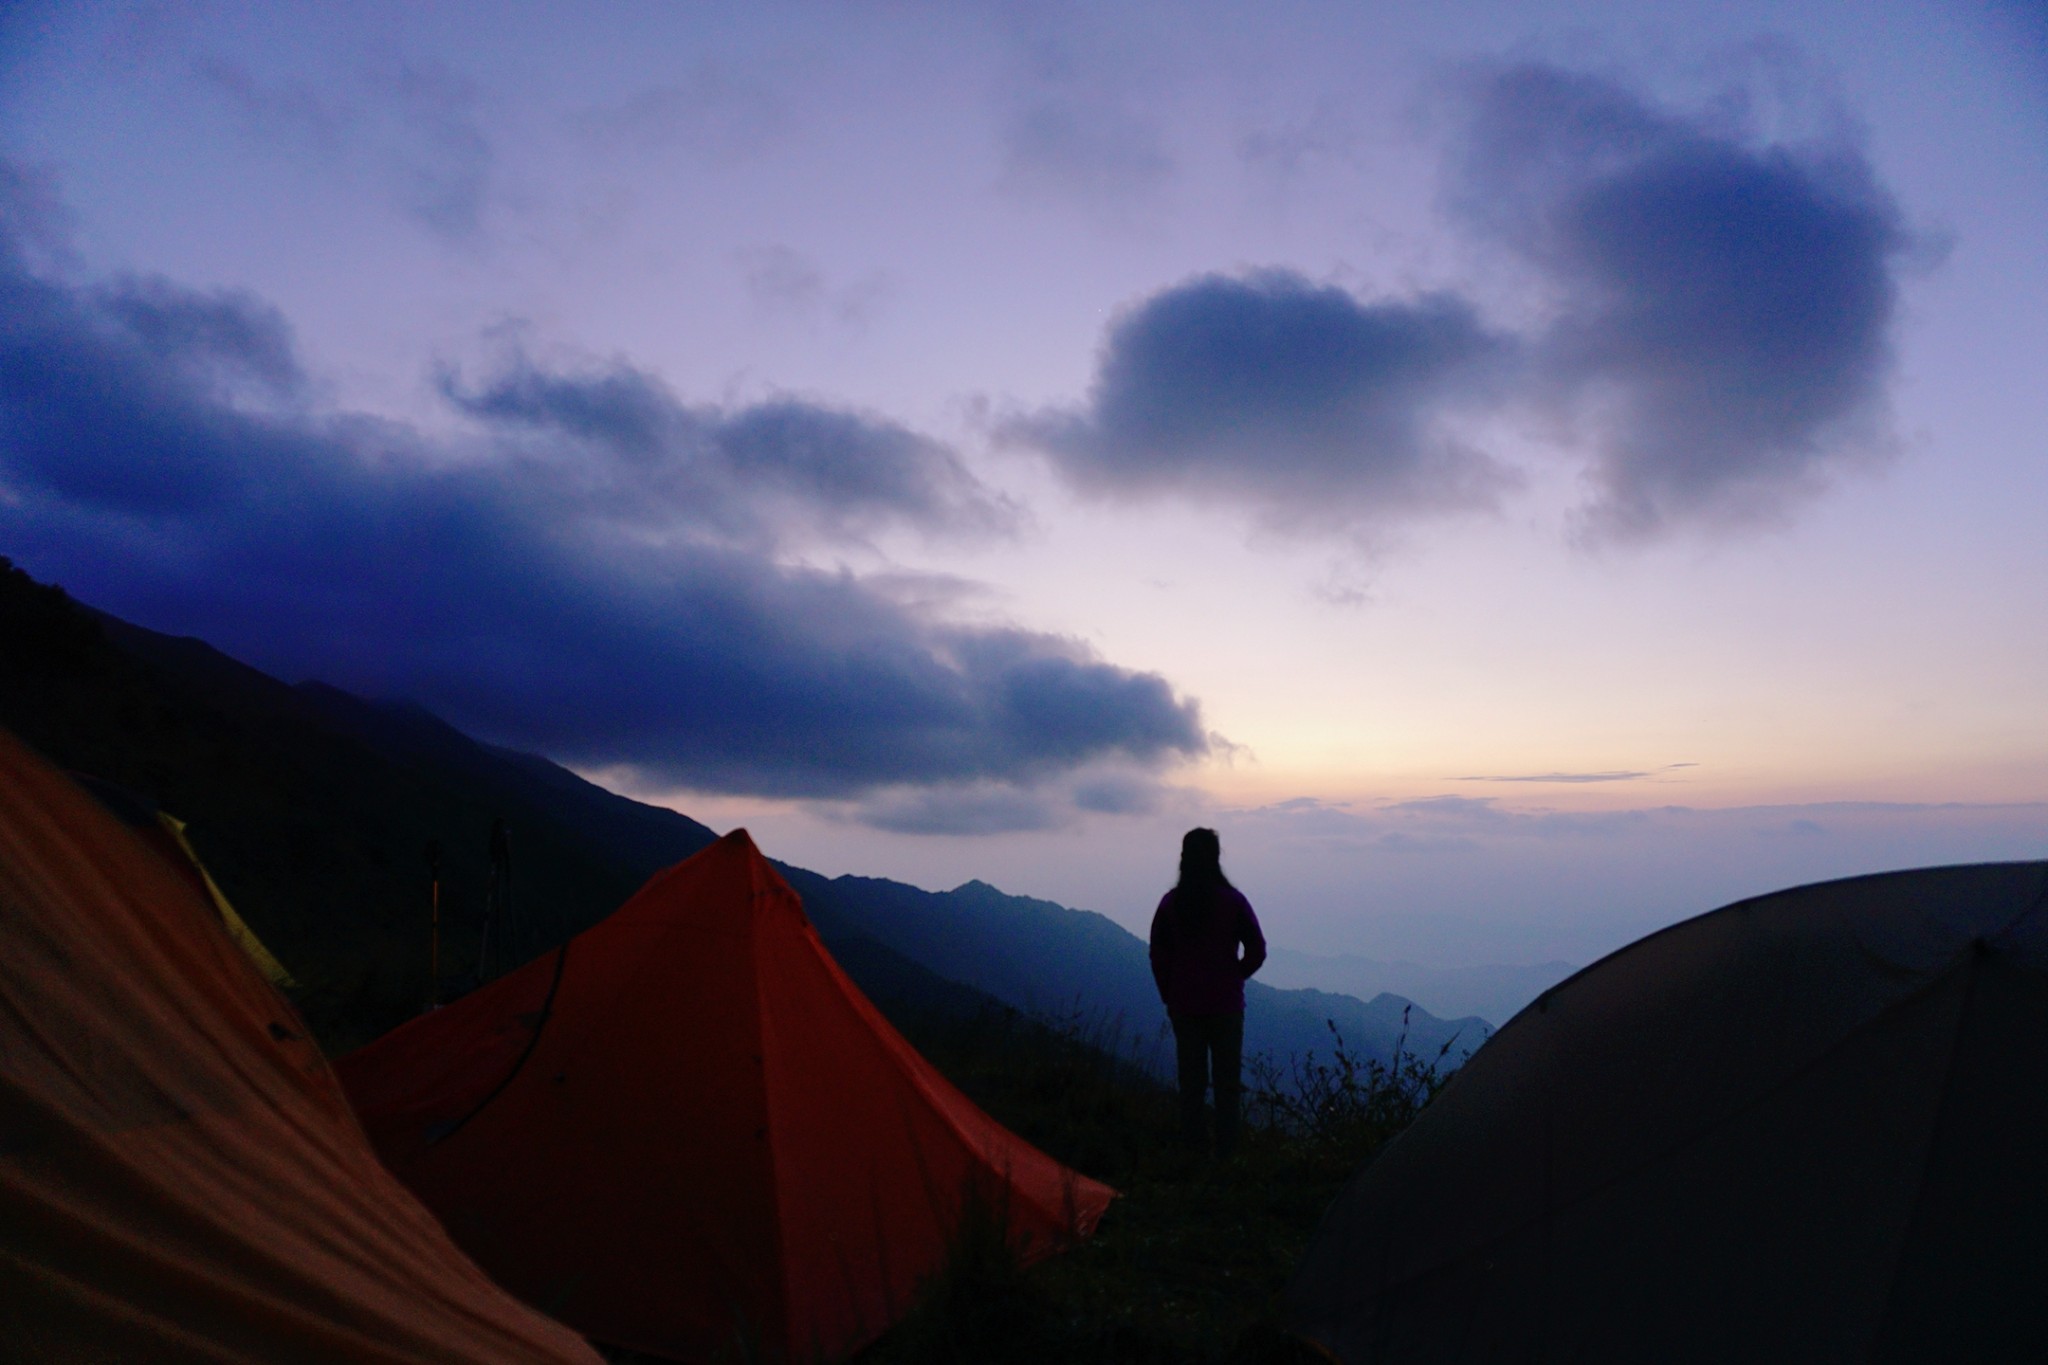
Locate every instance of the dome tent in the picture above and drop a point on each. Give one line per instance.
(1807, 1126)
(180, 1176)
(686, 1132)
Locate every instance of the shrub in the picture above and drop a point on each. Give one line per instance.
(1339, 1112)
(1187, 1263)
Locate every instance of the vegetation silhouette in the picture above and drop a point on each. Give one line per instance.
(1187, 1264)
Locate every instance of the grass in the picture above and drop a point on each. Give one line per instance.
(1188, 1263)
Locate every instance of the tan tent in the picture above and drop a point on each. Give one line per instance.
(180, 1176)
(1810, 1126)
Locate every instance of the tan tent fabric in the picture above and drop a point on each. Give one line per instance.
(1811, 1126)
(180, 1177)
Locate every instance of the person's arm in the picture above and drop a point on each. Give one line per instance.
(1253, 940)
(1159, 948)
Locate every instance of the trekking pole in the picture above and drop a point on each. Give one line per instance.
(434, 950)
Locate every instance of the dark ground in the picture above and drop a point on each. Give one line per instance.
(1189, 1261)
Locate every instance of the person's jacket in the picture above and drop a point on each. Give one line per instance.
(1196, 965)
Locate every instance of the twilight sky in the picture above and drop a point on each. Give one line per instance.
(1524, 472)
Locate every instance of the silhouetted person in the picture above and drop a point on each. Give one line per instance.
(1196, 934)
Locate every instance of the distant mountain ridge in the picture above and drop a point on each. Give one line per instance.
(1495, 992)
(1044, 957)
(314, 806)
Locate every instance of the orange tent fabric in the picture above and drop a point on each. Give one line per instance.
(180, 1176)
(687, 1131)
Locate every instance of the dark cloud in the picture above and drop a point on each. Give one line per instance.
(96, 411)
(1717, 336)
(228, 339)
(526, 583)
(998, 807)
(1723, 305)
(1118, 794)
(749, 474)
(1297, 398)
(952, 811)
(622, 411)
(854, 465)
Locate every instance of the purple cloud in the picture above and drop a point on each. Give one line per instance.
(596, 571)
(1724, 304)
(1299, 399)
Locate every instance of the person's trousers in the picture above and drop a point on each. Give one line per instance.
(1210, 1049)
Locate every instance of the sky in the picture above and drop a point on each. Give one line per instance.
(1525, 473)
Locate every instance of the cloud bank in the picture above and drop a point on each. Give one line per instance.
(1297, 398)
(594, 569)
(1724, 305)
(758, 475)
(1451, 879)
(1717, 341)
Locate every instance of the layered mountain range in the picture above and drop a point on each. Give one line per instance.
(315, 809)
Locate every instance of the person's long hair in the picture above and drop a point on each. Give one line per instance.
(1202, 882)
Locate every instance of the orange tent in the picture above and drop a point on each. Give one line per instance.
(687, 1131)
(180, 1176)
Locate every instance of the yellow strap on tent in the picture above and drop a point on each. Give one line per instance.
(238, 929)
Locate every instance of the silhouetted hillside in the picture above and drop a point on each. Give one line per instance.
(314, 809)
